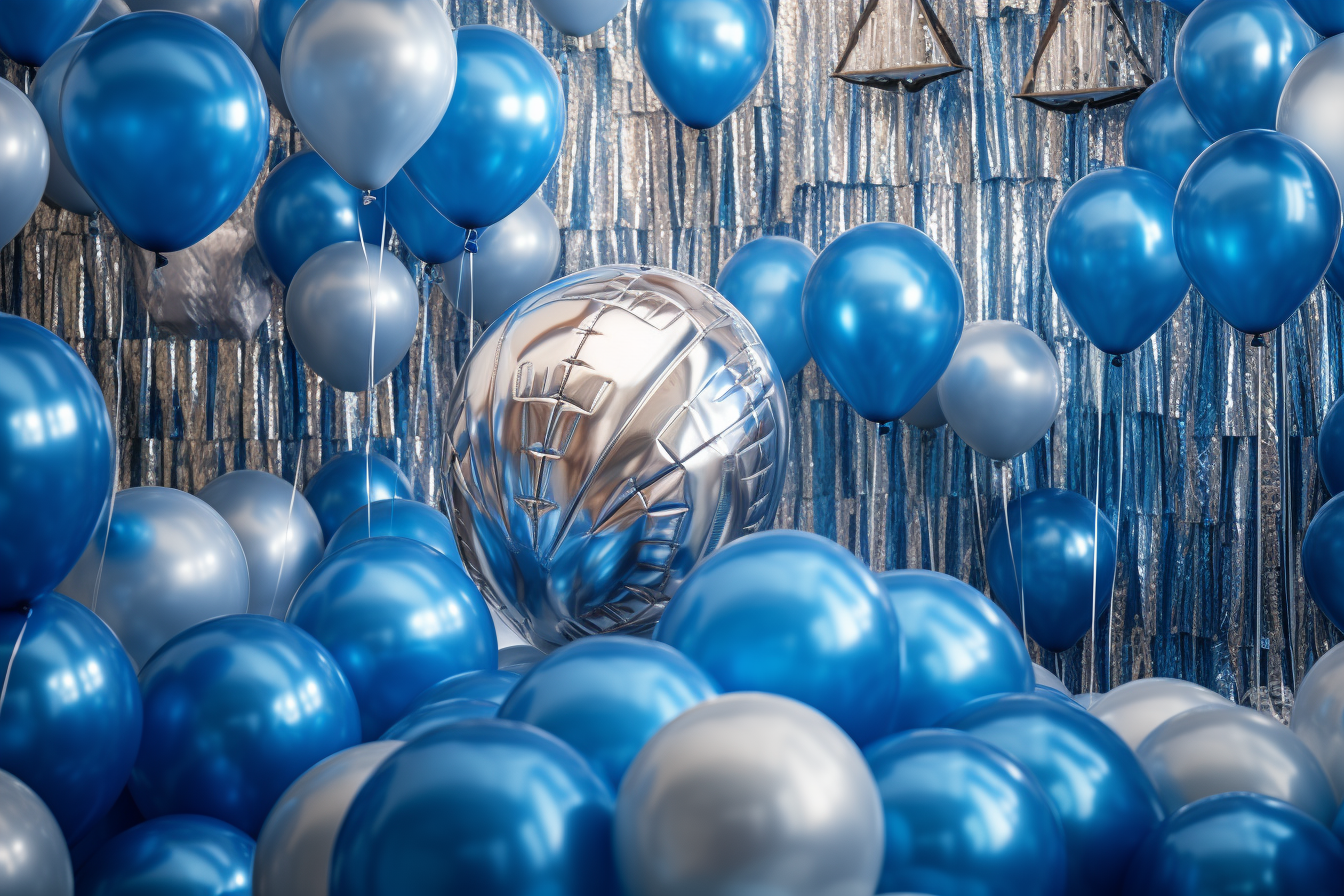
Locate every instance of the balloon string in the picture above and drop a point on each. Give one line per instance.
(979, 523)
(289, 519)
(471, 300)
(1119, 501)
(1289, 551)
(1012, 557)
(924, 493)
(427, 273)
(1096, 524)
(116, 424)
(373, 342)
(13, 654)
(1259, 547)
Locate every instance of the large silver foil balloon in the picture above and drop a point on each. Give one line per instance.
(613, 429)
(1002, 389)
(517, 255)
(294, 847)
(216, 289)
(236, 18)
(1232, 749)
(34, 860)
(278, 530)
(25, 159)
(1136, 708)
(367, 81)
(927, 412)
(745, 794)
(1318, 715)
(578, 17)
(327, 311)
(169, 562)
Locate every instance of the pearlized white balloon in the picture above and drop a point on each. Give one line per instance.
(1318, 714)
(1136, 708)
(33, 858)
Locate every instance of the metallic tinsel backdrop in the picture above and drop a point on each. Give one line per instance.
(808, 156)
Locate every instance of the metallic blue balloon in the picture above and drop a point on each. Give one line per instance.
(304, 206)
(794, 614)
(764, 280)
(1323, 559)
(956, 647)
(235, 710)
(1161, 135)
(607, 696)
(400, 518)
(882, 310)
(1325, 17)
(1330, 448)
(1049, 565)
(167, 126)
(71, 718)
(430, 236)
(501, 134)
(490, 685)
(963, 819)
(1233, 58)
(398, 616)
(341, 486)
(1100, 792)
(177, 855)
(704, 57)
(1257, 221)
(1238, 843)
(123, 816)
(31, 30)
(1112, 258)
(273, 18)
(55, 459)
(479, 807)
(419, 722)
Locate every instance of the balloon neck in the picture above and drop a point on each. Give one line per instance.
(884, 429)
(471, 245)
(1259, 340)
(368, 197)
(160, 260)
(1117, 361)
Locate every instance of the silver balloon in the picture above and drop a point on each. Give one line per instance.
(1046, 678)
(236, 18)
(927, 412)
(749, 793)
(64, 190)
(1136, 708)
(1087, 701)
(578, 17)
(34, 860)
(1001, 391)
(25, 159)
(327, 311)
(616, 427)
(278, 530)
(170, 562)
(106, 11)
(1232, 749)
(367, 81)
(517, 256)
(294, 847)
(1309, 107)
(1318, 715)
(269, 74)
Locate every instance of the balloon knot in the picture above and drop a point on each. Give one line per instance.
(471, 244)
(1259, 340)
(1117, 361)
(369, 197)
(160, 260)
(884, 429)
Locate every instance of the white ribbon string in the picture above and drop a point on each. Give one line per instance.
(1012, 557)
(1096, 524)
(1259, 546)
(116, 422)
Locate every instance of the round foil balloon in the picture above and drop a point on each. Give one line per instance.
(606, 434)
(1318, 714)
(1136, 708)
(36, 862)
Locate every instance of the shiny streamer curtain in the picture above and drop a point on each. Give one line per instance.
(810, 157)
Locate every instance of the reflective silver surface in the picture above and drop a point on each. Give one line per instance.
(518, 255)
(611, 431)
(1318, 715)
(749, 794)
(33, 858)
(1212, 749)
(1136, 708)
(24, 160)
(236, 18)
(1310, 108)
(294, 847)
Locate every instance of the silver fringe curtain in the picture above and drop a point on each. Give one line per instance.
(809, 157)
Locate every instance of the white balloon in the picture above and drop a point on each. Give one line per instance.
(1318, 714)
(25, 160)
(1136, 708)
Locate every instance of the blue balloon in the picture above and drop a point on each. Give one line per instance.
(704, 57)
(502, 132)
(1238, 843)
(1330, 448)
(123, 816)
(1233, 58)
(430, 236)
(764, 280)
(606, 697)
(490, 685)
(273, 18)
(167, 126)
(71, 718)
(794, 614)
(1325, 17)
(519, 658)
(235, 710)
(1323, 559)
(343, 484)
(31, 30)
(177, 855)
(1257, 221)
(1100, 792)
(1112, 258)
(882, 310)
(55, 459)
(418, 723)
(400, 518)
(963, 819)
(304, 206)
(1049, 566)
(479, 807)
(956, 647)
(398, 616)
(1161, 135)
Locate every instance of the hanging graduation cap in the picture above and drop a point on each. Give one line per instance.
(1086, 57)
(898, 42)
